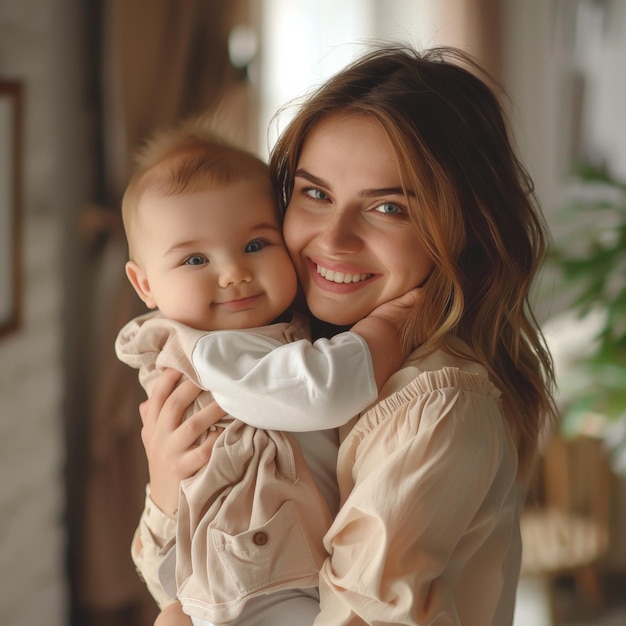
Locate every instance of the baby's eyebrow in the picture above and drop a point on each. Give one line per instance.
(266, 229)
(184, 245)
(265, 226)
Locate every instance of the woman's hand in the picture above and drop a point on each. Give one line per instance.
(171, 444)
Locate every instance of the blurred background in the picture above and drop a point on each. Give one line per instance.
(82, 83)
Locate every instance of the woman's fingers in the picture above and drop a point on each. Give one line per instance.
(195, 438)
(199, 423)
(162, 390)
(177, 403)
(207, 417)
(175, 447)
(200, 455)
(143, 411)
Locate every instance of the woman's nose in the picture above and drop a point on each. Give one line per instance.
(233, 273)
(340, 233)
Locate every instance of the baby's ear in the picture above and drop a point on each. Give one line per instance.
(139, 280)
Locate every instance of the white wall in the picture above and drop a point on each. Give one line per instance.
(303, 42)
(37, 46)
(600, 55)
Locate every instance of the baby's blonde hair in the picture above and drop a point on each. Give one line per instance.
(186, 159)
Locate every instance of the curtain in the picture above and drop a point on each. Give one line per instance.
(477, 27)
(160, 61)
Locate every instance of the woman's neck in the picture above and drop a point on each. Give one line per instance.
(320, 328)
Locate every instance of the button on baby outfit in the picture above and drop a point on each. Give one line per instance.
(260, 538)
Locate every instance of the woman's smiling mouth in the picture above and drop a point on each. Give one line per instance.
(341, 277)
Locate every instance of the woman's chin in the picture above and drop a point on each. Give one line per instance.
(334, 315)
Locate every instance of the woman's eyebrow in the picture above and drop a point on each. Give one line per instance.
(320, 182)
(383, 191)
(374, 192)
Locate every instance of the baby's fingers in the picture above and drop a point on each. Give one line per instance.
(411, 298)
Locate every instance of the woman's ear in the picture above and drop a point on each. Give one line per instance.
(139, 280)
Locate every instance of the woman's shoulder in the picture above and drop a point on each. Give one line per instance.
(450, 365)
(434, 385)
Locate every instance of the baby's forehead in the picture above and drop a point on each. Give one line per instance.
(196, 171)
(162, 186)
(248, 203)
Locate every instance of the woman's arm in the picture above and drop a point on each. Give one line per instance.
(170, 443)
(173, 455)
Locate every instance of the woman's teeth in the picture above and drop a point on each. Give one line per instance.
(340, 277)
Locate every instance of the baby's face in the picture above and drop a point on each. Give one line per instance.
(215, 259)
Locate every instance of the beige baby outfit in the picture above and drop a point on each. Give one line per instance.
(253, 519)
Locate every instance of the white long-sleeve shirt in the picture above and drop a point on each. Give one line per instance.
(312, 386)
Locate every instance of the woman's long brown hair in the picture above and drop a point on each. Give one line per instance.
(472, 202)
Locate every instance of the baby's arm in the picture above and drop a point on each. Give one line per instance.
(380, 330)
(303, 386)
(298, 387)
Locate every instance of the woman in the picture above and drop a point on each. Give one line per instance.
(399, 172)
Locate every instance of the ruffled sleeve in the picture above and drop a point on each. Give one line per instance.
(427, 479)
(153, 538)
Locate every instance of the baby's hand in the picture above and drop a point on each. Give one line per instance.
(395, 311)
(381, 330)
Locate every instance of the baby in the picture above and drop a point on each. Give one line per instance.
(206, 250)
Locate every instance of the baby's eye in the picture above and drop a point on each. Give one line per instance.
(255, 246)
(195, 259)
(316, 194)
(388, 208)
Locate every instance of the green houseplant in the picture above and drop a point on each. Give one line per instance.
(589, 256)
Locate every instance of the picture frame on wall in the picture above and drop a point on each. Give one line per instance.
(11, 96)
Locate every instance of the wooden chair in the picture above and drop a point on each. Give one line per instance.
(565, 526)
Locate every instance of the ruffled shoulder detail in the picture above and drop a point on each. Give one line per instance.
(446, 382)
(427, 382)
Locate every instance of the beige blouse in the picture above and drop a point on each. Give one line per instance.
(428, 528)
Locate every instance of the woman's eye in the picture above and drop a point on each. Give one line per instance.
(388, 208)
(195, 259)
(255, 246)
(316, 194)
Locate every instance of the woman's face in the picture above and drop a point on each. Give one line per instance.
(347, 226)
